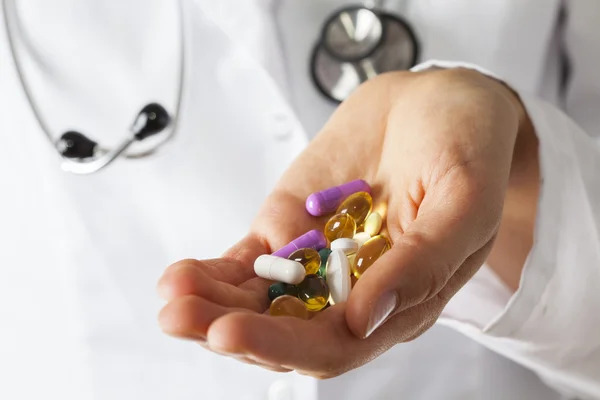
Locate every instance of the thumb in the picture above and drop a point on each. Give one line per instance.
(423, 263)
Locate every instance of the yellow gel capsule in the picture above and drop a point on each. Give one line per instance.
(340, 226)
(314, 292)
(358, 205)
(373, 224)
(310, 258)
(369, 253)
(288, 306)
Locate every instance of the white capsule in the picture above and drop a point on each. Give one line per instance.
(279, 269)
(361, 238)
(338, 277)
(373, 224)
(349, 246)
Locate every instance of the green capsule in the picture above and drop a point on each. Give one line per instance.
(281, 289)
(322, 272)
(324, 253)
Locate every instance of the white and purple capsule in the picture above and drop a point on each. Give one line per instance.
(327, 201)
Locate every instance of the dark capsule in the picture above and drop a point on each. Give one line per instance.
(281, 289)
(324, 253)
(322, 272)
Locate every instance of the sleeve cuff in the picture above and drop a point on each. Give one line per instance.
(551, 323)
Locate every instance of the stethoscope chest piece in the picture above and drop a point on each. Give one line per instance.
(357, 44)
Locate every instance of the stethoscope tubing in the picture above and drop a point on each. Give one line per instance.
(109, 155)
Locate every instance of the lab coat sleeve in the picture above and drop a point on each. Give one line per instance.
(552, 323)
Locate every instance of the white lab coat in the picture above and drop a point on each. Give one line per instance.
(81, 255)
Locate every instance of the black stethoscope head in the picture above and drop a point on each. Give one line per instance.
(358, 43)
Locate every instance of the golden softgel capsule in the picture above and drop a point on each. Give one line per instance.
(369, 253)
(314, 292)
(310, 258)
(288, 306)
(340, 226)
(358, 206)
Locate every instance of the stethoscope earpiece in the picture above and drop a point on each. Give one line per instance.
(82, 155)
(151, 120)
(75, 145)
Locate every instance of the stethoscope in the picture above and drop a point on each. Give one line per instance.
(356, 44)
(82, 155)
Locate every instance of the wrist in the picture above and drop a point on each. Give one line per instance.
(515, 236)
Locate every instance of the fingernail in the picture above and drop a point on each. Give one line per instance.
(223, 352)
(245, 360)
(260, 362)
(383, 309)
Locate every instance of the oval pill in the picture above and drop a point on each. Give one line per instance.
(358, 205)
(314, 292)
(279, 269)
(328, 200)
(288, 306)
(361, 238)
(338, 277)
(373, 224)
(310, 258)
(369, 253)
(314, 239)
(348, 246)
(340, 226)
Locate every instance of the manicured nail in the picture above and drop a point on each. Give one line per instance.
(383, 309)
(245, 360)
(223, 352)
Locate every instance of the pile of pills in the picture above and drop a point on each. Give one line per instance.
(316, 269)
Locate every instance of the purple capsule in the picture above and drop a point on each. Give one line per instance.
(310, 240)
(328, 200)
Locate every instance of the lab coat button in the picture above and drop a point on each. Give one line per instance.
(281, 390)
(282, 126)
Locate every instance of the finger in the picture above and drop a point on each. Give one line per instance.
(189, 317)
(322, 347)
(235, 267)
(190, 280)
(423, 259)
(243, 359)
(258, 286)
(250, 361)
(283, 341)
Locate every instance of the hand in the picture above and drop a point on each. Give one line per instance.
(437, 147)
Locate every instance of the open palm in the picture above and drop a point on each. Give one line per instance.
(436, 147)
